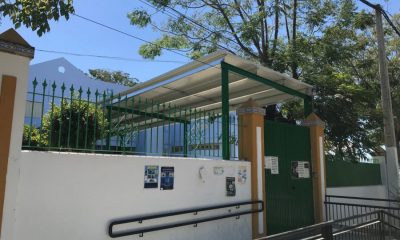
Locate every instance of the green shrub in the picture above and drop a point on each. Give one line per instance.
(74, 125)
(35, 139)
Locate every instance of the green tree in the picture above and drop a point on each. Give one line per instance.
(118, 77)
(74, 125)
(330, 44)
(31, 137)
(259, 30)
(36, 14)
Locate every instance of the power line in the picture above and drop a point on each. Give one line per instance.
(106, 57)
(389, 21)
(385, 15)
(143, 40)
(140, 39)
(171, 15)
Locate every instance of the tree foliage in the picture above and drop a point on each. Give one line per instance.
(329, 44)
(36, 14)
(118, 77)
(77, 124)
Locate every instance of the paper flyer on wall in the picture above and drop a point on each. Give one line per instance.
(167, 178)
(151, 176)
(230, 187)
(242, 174)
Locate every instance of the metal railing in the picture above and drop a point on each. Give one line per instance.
(194, 218)
(339, 207)
(66, 118)
(372, 225)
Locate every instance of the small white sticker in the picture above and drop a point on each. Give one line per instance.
(272, 162)
(218, 171)
(275, 166)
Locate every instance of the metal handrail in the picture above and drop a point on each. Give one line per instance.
(362, 198)
(360, 205)
(313, 231)
(358, 216)
(325, 230)
(194, 222)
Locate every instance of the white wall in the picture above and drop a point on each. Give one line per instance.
(17, 66)
(74, 196)
(373, 191)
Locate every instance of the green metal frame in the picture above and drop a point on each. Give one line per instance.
(146, 114)
(225, 68)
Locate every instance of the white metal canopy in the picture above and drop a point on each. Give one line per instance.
(198, 84)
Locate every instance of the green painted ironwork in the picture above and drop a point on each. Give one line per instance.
(225, 110)
(72, 119)
(308, 107)
(229, 133)
(275, 85)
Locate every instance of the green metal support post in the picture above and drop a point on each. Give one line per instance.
(185, 140)
(307, 106)
(225, 111)
(108, 139)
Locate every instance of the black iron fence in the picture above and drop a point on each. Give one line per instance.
(370, 226)
(339, 207)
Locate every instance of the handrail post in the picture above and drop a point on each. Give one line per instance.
(326, 232)
(381, 219)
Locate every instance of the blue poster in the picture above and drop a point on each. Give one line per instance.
(167, 178)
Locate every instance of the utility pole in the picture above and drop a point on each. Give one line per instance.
(392, 165)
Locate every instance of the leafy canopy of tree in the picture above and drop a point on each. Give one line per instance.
(83, 122)
(330, 44)
(118, 77)
(71, 125)
(36, 14)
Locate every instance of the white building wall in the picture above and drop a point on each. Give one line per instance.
(74, 196)
(374, 191)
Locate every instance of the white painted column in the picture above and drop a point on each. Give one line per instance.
(15, 55)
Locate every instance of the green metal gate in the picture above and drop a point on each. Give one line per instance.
(289, 190)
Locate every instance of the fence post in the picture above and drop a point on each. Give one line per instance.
(15, 55)
(185, 139)
(251, 148)
(381, 219)
(327, 232)
(317, 126)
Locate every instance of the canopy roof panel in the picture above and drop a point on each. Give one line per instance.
(198, 84)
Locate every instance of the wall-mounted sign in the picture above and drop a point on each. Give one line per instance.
(218, 170)
(167, 178)
(230, 187)
(300, 169)
(242, 174)
(151, 176)
(272, 162)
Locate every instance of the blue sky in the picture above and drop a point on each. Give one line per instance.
(77, 35)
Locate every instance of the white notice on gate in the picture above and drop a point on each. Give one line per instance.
(303, 169)
(267, 160)
(275, 165)
(271, 162)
